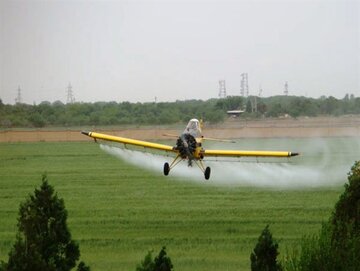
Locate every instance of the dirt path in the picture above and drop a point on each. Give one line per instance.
(233, 128)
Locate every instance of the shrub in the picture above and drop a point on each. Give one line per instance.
(263, 258)
(162, 262)
(338, 244)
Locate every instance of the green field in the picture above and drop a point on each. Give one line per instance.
(117, 211)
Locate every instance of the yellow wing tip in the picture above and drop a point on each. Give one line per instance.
(86, 133)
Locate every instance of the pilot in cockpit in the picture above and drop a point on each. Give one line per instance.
(193, 128)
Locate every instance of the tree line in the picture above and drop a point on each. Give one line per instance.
(212, 110)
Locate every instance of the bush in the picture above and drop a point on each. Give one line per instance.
(263, 258)
(161, 262)
(147, 264)
(338, 244)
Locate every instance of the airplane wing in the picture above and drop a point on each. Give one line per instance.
(239, 153)
(130, 141)
(205, 153)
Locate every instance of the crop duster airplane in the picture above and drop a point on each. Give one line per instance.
(189, 147)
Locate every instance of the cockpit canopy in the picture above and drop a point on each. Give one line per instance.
(193, 128)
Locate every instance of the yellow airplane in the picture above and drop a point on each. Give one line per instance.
(189, 147)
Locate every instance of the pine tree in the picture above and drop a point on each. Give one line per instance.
(346, 217)
(345, 222)
(83, 267)
(147, 264)
(263, 258)
(162, 261)
(43, 241)
(337, 246)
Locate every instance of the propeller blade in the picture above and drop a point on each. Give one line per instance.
(219, 140)
(171, 135)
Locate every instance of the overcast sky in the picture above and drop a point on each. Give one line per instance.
(138, 50)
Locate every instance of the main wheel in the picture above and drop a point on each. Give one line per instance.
(207, 173)
(166, 169)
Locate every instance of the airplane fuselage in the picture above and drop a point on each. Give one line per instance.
(189, 143)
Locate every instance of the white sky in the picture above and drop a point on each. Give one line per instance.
(138, 50)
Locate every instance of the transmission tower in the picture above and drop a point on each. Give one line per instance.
(222, 89)
(244, 85)
(70, 95)
(253, 102)
(286, 89)
(18, 98)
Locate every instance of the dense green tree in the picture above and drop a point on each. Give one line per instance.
(345, 222)
(248, 107)
(230, 103)
(83, 267)
(337, 246)
(37, 120)
(276, 110)
(147, 264)
(43, 241)
(162, 262)
(263, 258)
(261, 107)
(3, 266)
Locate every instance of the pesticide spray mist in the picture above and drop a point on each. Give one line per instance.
(322, 163)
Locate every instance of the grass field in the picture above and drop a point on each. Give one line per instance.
(117, 212)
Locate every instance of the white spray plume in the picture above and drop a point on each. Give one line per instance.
(323, 163)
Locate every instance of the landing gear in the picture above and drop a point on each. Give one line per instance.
(207, 173)
(166, 169)
(178, 159)
(206, 170)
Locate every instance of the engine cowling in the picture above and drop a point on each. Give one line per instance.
(186, 145)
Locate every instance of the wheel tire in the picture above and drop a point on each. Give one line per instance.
(166, 169)
(207, 173)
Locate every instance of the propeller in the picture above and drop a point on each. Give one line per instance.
(170, 135)
(219, 140)
(206, 138)
(186, 144)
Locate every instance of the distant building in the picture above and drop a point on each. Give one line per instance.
(234, 113)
